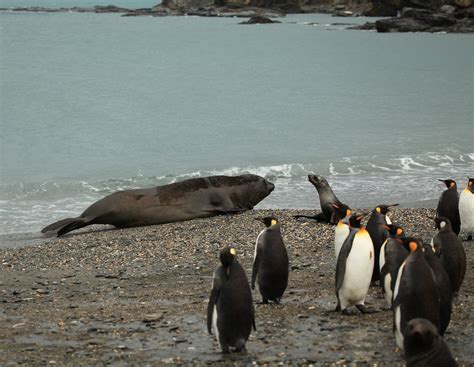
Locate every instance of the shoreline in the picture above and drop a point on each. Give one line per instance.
(23, 239)
(139, 295)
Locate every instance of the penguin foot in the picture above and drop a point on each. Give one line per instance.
(346, 312)
(225, 349)
(364, 309)
(264, 302)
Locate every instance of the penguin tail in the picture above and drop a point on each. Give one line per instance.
(64, 226)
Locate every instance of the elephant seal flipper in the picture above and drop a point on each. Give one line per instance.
(63, 226)
(320, 217)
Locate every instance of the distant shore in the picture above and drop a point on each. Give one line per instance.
(139, 295)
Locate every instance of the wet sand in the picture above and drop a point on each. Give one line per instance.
(139, 296)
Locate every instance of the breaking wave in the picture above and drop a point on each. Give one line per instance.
(359, 181)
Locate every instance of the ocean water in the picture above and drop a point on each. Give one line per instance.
(94, 103)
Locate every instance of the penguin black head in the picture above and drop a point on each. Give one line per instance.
(414, 244)
(227, 256)
(449, 183)
(355, 220)
(383, 209)
(470, 184)
(395, 230)
(268, 221)
(442, 222)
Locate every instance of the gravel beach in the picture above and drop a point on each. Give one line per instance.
(138, 297)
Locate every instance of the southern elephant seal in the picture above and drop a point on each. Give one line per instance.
(188, 199)
(328, 201)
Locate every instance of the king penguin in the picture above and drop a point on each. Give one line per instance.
(270, 264)
(342, 229)
(444, 288)
(355, 264)
(448, 205)
(376, 228)
(449, 249)
(425, 347)
(230, 309)
(466, 209)
(392, 254)
(415, 293)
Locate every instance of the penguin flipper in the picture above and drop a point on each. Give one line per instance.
(256, 264)
(341, 260)
(210, 308)
(64, 226)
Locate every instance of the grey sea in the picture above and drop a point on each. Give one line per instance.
(94, 103)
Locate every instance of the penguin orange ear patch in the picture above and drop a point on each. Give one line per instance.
(399, 231)
(378, 210)
(274, 222)
(451, 184)
(233, 252)
(413, 246)
(348, 212)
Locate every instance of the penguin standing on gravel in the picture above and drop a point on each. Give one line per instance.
(392, 254)
(415, 293)
(449, 249)
(448, 205)
(354, 269)
(342, 228)
(230, 309)
(466, 209)
(444, 288)
(425, 347)
(376, 226)
(270, 265)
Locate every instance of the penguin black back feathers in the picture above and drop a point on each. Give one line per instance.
(450, 250)
(376, 226)
(230, 310)
(415, 293)
(448, 205)
(270, 266)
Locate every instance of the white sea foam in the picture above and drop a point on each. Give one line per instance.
(26, 207)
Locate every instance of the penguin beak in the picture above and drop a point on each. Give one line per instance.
(393, 205)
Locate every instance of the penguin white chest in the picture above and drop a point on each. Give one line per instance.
(341, 233)
(358, 273)
(466, 211)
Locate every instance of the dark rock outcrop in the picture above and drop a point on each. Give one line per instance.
(259, 20)
(422, 20)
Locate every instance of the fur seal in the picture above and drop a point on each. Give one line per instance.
(188, 199)
(424, 346)
(328, 201)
